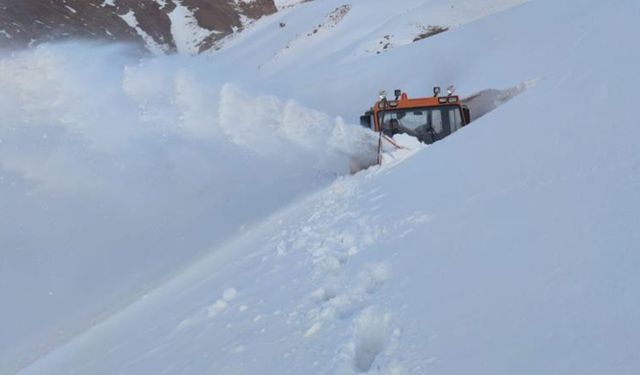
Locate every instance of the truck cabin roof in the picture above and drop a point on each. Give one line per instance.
(404, 102)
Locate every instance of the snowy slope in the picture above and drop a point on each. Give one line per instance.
(117, 170)
(507, 248)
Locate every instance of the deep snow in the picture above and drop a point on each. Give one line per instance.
(510, 247)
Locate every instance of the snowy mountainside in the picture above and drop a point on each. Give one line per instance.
(509, 247)
(161, 26)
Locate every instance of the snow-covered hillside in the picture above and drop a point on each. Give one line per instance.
(200, 221)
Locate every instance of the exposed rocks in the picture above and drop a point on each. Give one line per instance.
(152, 23)
(430, 31)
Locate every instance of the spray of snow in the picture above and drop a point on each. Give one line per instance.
(100, 141)
(272, 128)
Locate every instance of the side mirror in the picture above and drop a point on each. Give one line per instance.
(365, 121)
(467, 115)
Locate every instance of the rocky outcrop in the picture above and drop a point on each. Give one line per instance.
(162, 26)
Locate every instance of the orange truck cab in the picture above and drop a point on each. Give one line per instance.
(428, 119)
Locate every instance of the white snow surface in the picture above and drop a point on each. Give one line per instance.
(150, 43)
(281, 4)
(192, 215)
(187, 34)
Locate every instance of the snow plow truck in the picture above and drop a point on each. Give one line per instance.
(429, 119)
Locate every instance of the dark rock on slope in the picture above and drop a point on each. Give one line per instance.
(151, 23)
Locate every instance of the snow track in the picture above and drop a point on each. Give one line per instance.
(329, 293)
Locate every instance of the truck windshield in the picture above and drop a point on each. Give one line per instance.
(428, 124)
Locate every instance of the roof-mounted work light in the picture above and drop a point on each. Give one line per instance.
(450, 90)
(436, 91)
